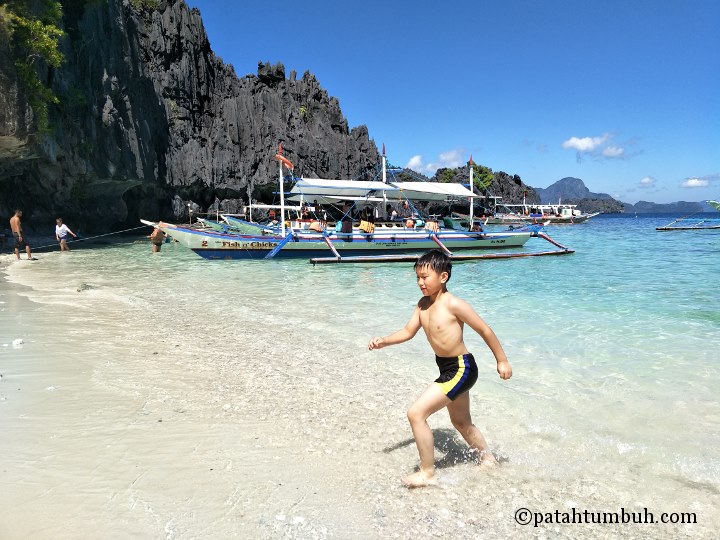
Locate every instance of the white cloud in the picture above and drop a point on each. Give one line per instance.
(613, 152)
(598, 147)
(415, 163)
(647, 182)
(449, 159)
(695, 183)
(585, 144)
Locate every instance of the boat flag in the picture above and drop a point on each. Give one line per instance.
(383, 149)
(471, 161)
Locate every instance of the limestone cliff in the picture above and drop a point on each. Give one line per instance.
(149, 115)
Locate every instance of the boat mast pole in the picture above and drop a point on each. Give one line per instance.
(282, 194)
(384, 179)
(472, 199)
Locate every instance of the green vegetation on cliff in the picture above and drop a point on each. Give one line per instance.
(32, 29)
(482, 177)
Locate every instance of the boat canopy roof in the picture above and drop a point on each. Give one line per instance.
(356, 190)
(338, 188)
(331, 191)
(430, 191)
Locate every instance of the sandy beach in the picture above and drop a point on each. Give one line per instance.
(173, 446)
(199, 415)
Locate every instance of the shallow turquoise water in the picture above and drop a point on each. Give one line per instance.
(614, 348)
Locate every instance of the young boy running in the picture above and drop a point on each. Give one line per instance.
(442, 317)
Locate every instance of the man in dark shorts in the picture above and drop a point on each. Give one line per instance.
(20, 241)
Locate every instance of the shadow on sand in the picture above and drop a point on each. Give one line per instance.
(449, 443)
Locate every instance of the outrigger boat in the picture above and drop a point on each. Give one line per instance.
(547, 214)
(295, 238)
(691, 223)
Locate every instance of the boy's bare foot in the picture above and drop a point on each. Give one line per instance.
(418, 479)
(487, 460)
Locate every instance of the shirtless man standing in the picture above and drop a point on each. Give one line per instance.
(17, 231)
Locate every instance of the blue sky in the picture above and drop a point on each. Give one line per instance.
(624, 94)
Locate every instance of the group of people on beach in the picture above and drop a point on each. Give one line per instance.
(62, 233)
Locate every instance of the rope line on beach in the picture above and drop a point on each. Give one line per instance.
(91, 237)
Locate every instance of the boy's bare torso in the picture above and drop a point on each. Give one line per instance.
(442, 328)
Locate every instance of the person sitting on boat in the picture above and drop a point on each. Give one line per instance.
(346, 220)
(316, 226)
(320, 214)
(432, 226)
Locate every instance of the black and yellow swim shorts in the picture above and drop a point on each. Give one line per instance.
(457, 374)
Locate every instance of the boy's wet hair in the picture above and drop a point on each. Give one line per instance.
(435, 260)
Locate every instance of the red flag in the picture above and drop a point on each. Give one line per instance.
(471, 161)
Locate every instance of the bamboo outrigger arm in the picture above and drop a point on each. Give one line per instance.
(412, 257)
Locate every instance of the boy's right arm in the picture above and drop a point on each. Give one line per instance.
(401, 336)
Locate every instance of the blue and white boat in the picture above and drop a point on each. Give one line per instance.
(297, 238)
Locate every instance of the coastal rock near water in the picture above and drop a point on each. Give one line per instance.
(149, 114)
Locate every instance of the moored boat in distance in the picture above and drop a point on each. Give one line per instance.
(547, 214)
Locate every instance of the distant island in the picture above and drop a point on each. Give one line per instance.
(572, 190)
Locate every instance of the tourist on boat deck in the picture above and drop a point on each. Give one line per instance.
(304, 211)
(61, 234)
(347, 221)
(320, 214)
(316, 226)
(443, 317)
(432, 225)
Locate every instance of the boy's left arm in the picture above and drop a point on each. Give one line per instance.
(464, 312)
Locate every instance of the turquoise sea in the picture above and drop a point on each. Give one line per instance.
(613, 400)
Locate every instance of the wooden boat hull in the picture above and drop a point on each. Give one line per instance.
(215, 245)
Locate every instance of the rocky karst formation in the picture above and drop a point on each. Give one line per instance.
(150, 119)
